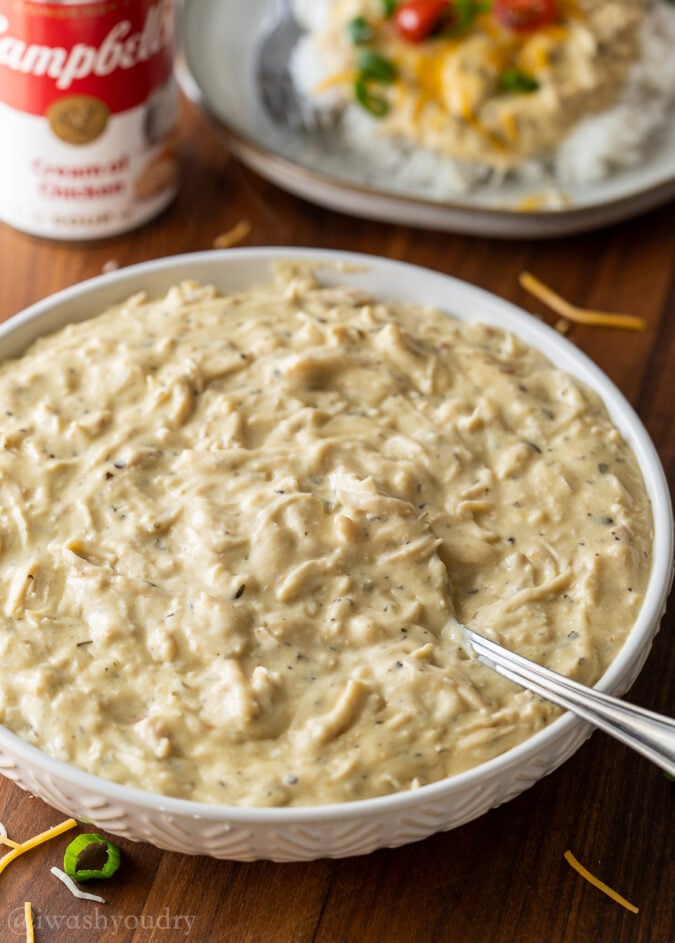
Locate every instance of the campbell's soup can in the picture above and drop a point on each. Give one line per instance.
(88, 115)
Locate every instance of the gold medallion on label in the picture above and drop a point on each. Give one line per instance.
(78, 119)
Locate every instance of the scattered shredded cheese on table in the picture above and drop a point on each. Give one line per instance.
(233, 236)
(28, 915)
(8, 841)
(579, 315)
(4, 840)
(571, 860)
(73, 888)
(34, 841)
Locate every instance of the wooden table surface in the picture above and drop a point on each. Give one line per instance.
(502, 878)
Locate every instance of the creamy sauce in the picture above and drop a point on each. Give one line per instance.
(449, 94)
(236, 534)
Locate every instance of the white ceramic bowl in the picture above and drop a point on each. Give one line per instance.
(338, 830)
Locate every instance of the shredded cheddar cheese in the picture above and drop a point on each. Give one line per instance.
(579, 315)
(429, 79)
(338, 78)
(509, 125)
(8, 841)
(36, 840)
(572, 861)
(233, 236)
(28, 915)
(4, 840)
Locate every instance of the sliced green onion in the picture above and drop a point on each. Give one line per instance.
(388, 7)
(91, 856)
(372, 65)
(360, 31)
(513, 80)
(464, 12)
(377, 105)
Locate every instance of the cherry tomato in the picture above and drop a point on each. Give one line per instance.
(522, 16)
(416, 20)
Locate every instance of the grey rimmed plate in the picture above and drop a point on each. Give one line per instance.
(216, 68)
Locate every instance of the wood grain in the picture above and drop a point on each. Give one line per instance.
(501, 878)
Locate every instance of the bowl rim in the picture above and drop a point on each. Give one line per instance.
(519, 322)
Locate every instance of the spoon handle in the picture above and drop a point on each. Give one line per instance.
(650, 734)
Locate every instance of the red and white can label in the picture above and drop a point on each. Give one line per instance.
(88, 115)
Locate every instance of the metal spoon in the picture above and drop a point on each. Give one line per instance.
(650, 734)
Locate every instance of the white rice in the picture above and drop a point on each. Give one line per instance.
(599, 146)
(616, 139)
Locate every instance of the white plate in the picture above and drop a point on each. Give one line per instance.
(337, 830)
(217, 71)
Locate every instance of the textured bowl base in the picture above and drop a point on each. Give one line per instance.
(339, 836)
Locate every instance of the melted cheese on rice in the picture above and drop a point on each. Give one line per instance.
(448, 94)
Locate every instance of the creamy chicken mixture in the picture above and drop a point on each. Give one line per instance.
(484, 89)
(237, 532)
